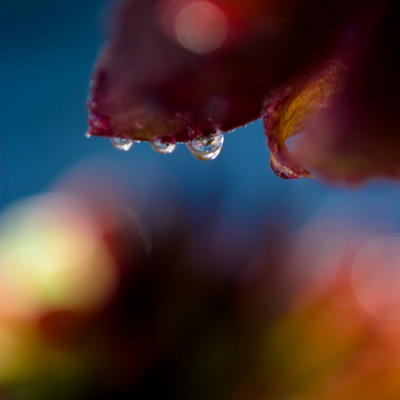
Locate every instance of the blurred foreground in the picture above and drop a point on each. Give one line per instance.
(103, 296)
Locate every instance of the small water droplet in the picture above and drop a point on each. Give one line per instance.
(207, 148)
(122, 143)
(88, 134)
(163, 145)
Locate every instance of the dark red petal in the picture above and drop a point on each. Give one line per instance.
(358, 136)
(185, 68)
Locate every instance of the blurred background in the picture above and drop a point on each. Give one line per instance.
(137, 274)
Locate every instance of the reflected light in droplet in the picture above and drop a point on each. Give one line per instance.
(52, 256)
(201, 27)
(207, 148)
(376, 277)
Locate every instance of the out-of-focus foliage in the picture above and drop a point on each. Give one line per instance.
(102, 299)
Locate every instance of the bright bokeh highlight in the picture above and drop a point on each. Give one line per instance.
(201, 27)
(52, 256)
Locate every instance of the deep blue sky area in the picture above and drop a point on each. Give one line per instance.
(47, 51)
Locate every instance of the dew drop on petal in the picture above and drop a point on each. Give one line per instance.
(88, 134)
(163, 146)
(207, 148)
(122, 143)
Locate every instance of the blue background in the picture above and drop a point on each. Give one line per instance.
(47, 51)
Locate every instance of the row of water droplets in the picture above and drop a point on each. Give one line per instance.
(203, 148)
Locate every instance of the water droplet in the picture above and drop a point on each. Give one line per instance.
(122, 143)
(88, 134)
(207, 148)
(163, 145)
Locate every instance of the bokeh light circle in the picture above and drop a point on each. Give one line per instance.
(201, 27)
(52, 256)
(376, 277)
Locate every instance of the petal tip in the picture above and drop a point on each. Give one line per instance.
(284, 167)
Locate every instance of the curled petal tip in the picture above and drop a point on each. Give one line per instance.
(290, 109)
(284, 167)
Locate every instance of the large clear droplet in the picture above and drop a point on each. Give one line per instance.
(207, 148)
(122, 143)
(163, 146)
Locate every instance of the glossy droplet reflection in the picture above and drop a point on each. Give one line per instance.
(122, 143)
(88, 135)
(207, 148)
(163, 146)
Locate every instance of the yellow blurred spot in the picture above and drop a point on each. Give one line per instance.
(52, 256)
(201, 27)
(8, 348)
